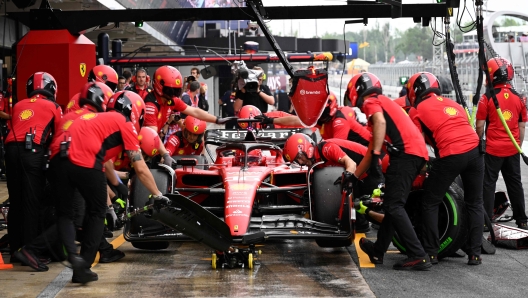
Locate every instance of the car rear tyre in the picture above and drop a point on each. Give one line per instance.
(452, 220)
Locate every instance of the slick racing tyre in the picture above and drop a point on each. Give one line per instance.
(452, 220)
(200, 160)
(326, 200)
(140, 224)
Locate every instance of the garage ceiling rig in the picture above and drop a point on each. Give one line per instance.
(79, 20)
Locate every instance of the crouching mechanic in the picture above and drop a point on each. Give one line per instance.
(82, 160)
(301, 149)
(446, 128)
(405, 145)
(188, 141)
(168, 84)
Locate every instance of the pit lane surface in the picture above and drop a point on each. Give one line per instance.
(288, 268)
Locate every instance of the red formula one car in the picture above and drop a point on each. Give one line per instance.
(247, 195)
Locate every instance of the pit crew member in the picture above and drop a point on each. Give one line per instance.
(104, 74)
(394, 130)
(82, 161)
(140, 85)
(168, 84)
(447, 130)
(188, 141)
(501, 155)
(34, 120)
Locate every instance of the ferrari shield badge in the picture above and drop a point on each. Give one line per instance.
(82, 69)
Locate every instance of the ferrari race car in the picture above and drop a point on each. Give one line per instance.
(250, 194)
(247, 195)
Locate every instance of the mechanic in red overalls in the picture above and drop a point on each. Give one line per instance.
(168, 84)
(446, 128)
(140, 85)
(188, 141)
(94, 139)
(34, 120)
(94, 98)
(393, 130)
(501, 155)
(335, 123)
(301, 149)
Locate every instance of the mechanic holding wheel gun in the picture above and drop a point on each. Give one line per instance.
(446, 128)
(301, 149)
(92, 140)
(408, 154)
(159, 104)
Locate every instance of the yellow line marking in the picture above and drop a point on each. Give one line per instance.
(364, 261)
(115, 243)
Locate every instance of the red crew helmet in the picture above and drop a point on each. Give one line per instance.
(42, 83)
(168, 81)
(95, 94)
(130, 105)
(73, 104)
(195, 125)
(298, 143)
(362, 85)
(149, 141)
(421, 84)
(248, 112)
(104, 74)
(500, 70)
(330, 109)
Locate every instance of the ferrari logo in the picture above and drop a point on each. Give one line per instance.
(154, 151)
(440, 98)
(451, 111)
(196, 128)
(178, 82)
(287, 156)
(506, 95)
(507, 115)
(26, 115)
(196, 146)
(33, 100)
(82, 69)
(450, 11)
(66, 125)
(88, 116)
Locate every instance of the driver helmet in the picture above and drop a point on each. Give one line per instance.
(296, 144)
(329, 110)
(254, 158)
(104, 74)
(248, 112)
(149, 141)
(361, 85)
(42, 83)
(421, 84)
(500, 70)
(168, 81)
